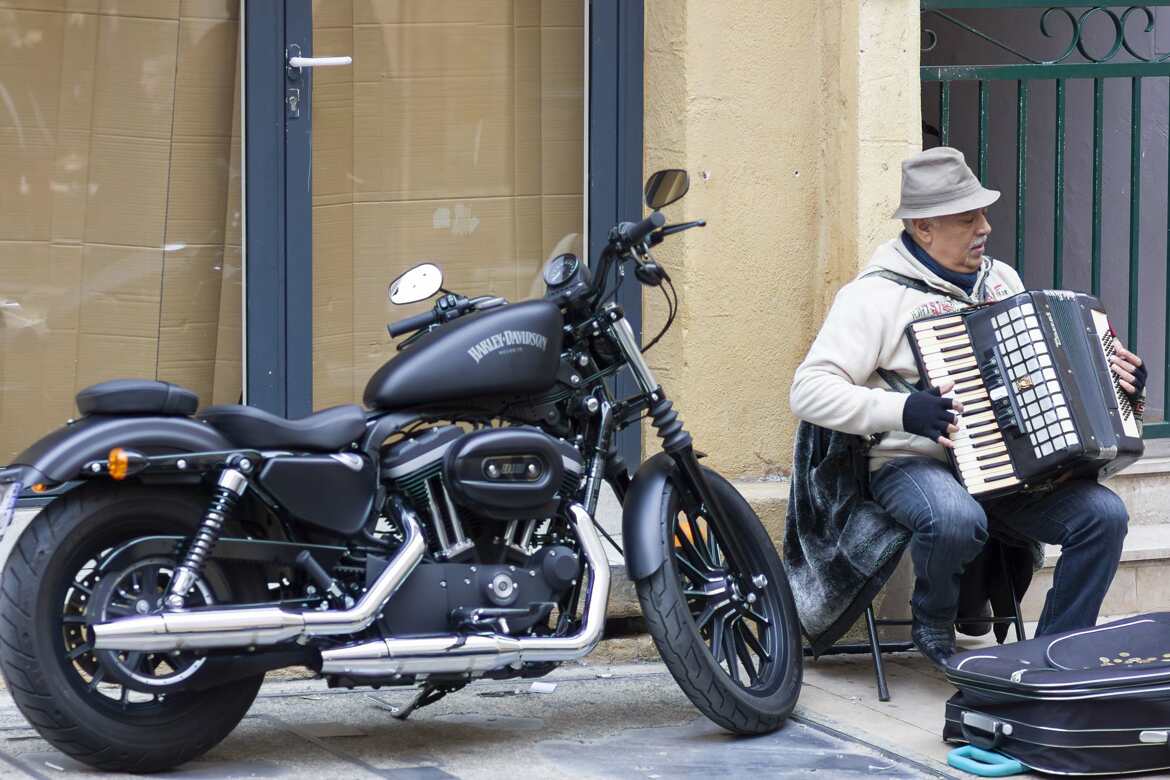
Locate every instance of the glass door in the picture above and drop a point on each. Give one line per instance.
(120, 215)
(456, 137)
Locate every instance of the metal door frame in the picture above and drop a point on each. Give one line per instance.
(278, 240)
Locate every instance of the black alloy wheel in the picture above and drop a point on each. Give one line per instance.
(728, 634)
(101, 707)
(735, 612)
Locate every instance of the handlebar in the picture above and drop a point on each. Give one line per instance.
(409, 324)
(448, 308)
(635, 232)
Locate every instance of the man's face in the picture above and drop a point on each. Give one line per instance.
(956, 241)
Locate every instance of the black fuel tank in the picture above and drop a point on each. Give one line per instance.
(512, 350)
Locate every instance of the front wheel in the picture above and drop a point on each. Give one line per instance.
(729, 637)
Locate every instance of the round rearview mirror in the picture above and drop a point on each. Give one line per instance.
(417, 284)
(666, 186)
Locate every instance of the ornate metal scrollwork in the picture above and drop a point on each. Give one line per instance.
(1077, 23)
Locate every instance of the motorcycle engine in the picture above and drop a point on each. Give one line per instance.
(489, 500)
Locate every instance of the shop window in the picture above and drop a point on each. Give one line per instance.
(457, 137)
(119, 204)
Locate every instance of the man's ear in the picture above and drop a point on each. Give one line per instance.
(922, 232)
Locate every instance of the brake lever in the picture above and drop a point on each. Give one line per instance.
(669, 230)
(413, 337)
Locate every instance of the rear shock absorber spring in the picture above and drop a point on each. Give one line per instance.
(224, 497)
(670, 428)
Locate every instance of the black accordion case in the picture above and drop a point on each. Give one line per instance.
(1090, 702)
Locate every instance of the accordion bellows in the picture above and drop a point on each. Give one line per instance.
(1040, 401)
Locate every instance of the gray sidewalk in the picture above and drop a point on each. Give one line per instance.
(623, 721)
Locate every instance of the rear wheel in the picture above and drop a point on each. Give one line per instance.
(728, 633)
(112, 710)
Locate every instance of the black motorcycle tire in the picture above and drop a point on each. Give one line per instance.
(683, 649)
(48, 690)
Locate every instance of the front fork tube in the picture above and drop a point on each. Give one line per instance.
(676, 442)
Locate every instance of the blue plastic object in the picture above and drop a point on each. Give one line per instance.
(984, 763)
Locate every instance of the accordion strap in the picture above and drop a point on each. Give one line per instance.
(896, 381)
(923, 287)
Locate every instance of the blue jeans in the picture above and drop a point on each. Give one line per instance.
(949, 527)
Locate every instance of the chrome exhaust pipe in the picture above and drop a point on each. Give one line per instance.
(213, 627)
(478, 653)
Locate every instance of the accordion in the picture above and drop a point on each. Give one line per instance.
(1039, 399)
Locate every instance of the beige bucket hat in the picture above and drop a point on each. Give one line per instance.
(937, 182)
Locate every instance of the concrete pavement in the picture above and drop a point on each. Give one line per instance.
(626, 720)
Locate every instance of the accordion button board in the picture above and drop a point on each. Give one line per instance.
(1039, 400)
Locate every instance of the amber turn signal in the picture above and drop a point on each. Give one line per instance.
(40, 487)
(119, 463)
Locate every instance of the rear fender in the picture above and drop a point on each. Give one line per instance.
(59, 456)
(642, 513)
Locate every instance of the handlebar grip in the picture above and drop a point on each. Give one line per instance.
(410, 324)
(635, 233)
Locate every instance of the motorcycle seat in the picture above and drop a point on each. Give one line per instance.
(137, 396)
(247, 426)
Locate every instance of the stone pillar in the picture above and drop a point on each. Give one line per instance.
(791, 118)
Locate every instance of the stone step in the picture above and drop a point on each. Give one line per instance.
(1142, 543)
(1142, 582)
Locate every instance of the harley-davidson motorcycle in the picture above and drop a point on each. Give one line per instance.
(443, 533)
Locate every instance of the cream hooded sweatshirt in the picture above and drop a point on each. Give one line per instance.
(837, 385)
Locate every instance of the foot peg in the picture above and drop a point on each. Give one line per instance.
(495, 618)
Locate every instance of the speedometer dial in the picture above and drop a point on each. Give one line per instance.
(561, 269)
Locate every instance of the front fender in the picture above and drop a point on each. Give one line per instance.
(59, 456)
(642, 513)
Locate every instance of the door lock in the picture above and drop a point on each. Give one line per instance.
(292, 99)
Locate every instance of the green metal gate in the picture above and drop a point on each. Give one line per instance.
(1104, 44)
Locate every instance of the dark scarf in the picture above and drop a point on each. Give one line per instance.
(965, 282)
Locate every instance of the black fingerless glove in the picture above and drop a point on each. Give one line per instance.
(1139, 381)
(927, 414)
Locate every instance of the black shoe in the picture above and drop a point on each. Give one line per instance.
(969, 623)
(935, 642)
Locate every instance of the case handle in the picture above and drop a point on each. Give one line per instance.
(983, 763)
(983, 731)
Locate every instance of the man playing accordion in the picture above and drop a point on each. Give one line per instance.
(838, 386)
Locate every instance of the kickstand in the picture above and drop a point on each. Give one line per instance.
(430, 693)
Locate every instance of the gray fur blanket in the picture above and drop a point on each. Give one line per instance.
(840, 546)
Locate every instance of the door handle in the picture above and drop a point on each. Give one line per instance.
(293, 67)
(318, 62)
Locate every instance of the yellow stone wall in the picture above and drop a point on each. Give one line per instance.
(791, 117)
